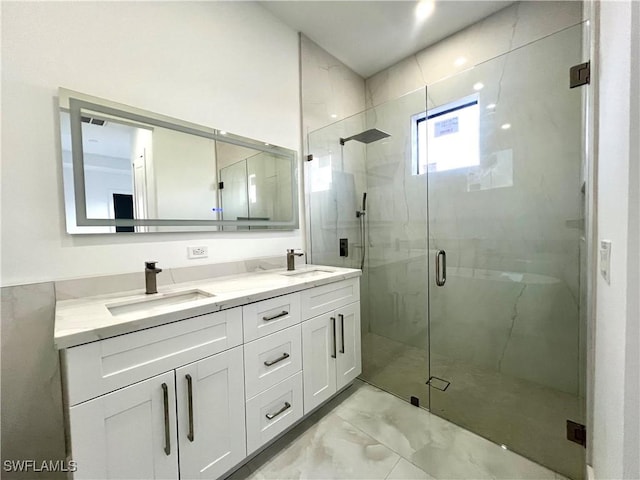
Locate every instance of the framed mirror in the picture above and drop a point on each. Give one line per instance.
(127, 170)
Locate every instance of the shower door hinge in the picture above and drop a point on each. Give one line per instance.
(220, 185)
(309, 157)
(580, 75)
(576, 432)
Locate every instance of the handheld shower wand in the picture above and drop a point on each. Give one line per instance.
(360, 213)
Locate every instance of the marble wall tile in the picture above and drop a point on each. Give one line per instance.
(331, 91)
(32, 418)
(91, 286)
(508, 29)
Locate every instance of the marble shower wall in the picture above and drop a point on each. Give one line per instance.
(502, 32)
(336, 181)
(331, 91)
(31, 394)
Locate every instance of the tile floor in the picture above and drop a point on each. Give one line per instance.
(529, 418)
(366, 433)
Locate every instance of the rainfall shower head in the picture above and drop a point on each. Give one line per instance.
(367, 136)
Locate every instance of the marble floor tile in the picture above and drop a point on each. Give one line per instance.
(405, 470)
(329, 449)
(438, 447)
(527, 417)
(366, 433)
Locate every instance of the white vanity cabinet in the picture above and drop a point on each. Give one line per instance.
(331, 340)
(194, 398)
(122, 434)
(273, 368)
(134, 433)
(132, 430)
(211, 416)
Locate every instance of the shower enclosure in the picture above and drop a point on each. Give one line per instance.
(462, 202)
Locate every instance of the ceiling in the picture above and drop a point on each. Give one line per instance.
(368, 35)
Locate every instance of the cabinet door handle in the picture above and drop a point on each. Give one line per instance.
(271, 416)
(284, 313)
(284, 356)
(167, 433)
(341, 317)
(190, 435)
(333, 326)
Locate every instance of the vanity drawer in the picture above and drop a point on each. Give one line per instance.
(318, 300)
(271, 359)
(269, 316)
(100, 367)
(282, 403)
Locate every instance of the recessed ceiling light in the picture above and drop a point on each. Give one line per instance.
(222, 132)
(506, 126)
(491, 106)
(424, 9)
(333, 115)
(460, 61)
(478, 86)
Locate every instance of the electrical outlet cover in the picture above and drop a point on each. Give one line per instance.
(200, 251)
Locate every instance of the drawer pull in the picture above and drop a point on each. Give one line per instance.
(284, 313)
(284, 356)
(167, 434)
(271, 416)
(190, 435)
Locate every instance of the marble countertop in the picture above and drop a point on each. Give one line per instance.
(89, 319)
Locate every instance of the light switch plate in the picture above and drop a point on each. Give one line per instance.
(605, 260)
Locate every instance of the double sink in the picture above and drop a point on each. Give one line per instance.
(163, 300)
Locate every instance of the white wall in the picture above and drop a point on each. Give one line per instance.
(228, 65)
(616, 393)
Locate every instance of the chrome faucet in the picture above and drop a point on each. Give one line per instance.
(150, 272)
(291, 254)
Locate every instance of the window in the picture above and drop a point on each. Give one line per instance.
(447, 137)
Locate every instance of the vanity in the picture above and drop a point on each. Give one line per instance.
(191, 382)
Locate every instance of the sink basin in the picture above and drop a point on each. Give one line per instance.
(306, 273)
(155, 302)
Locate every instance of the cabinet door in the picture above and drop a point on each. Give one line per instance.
(130, 433)
(349, 361)
(211, 421)
(318, 360)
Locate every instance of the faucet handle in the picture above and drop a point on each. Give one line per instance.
(151, 264)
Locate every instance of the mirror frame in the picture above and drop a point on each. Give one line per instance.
(73, 102)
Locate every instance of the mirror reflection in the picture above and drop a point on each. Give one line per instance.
(251, 185)
(140, 172)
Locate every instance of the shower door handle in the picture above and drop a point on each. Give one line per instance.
(441, 268)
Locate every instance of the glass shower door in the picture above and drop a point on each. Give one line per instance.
(363, 190)
(503, 146)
